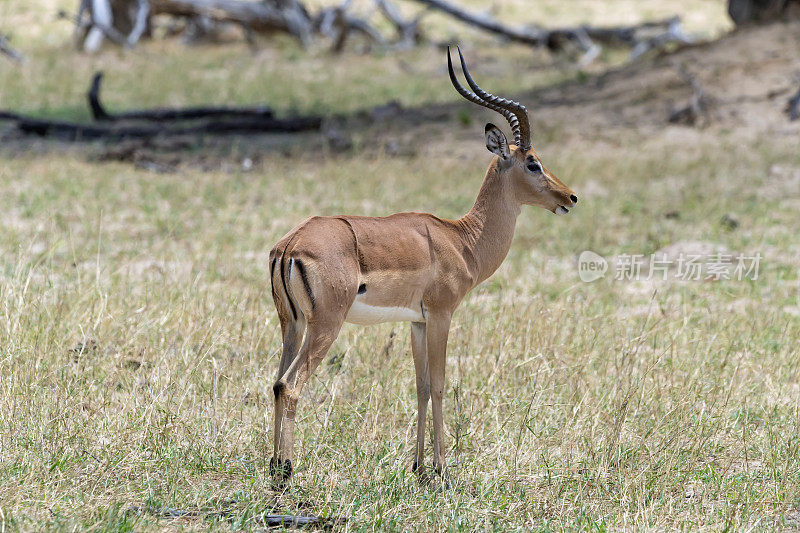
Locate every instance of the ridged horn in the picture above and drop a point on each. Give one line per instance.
(475, 99)
(518, 110)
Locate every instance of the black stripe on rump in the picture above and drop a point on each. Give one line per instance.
(272, 277)
(283, 281)
(302, 270)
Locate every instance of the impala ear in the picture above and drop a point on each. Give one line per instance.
(496, 141)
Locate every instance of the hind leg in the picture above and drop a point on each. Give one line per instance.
(292, 337)
(320, 335)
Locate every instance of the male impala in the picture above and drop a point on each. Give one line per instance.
(410, 267)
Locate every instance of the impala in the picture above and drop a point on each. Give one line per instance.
(409, 267)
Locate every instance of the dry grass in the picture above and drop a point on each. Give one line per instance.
(138, 341)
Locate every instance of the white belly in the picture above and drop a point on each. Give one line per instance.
(365, 315)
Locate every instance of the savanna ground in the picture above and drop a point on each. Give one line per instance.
(138, 342)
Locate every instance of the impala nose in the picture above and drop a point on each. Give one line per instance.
(573, 198)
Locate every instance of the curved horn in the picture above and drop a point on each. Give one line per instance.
(516, 108)
(512, 119)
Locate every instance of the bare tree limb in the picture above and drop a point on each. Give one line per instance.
(82, 21)
(108, 31)
(83, 8)
(339, 25)
(408, 31)
(171, 114)
(6, 49)
(140, 22)
(279, 15)
(357, 25)
(98, 111)
(8, 115)
(534, 38)
(335, 24)
(674, 33)
(698, 110)
(592, 50)
(793, 107)
(92, 25)
(76, 131)
(101, 18)
(585, 37)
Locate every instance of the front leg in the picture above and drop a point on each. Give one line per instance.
(437, 329)
(419, 350)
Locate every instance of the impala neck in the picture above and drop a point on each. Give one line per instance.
(489, 225)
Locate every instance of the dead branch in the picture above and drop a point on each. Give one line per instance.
(139, 23)
(83, 26)
(98, 111)
(163, 122)
(287, 16)
(336, 24)
(123, 22)
(698, 109)
(522, 35)
(674, 34)
(6, 49)
(8, 115)
(361, 26)
(793, 107)
(339, 22)
(408, 31)
(171, 114)
(585, 37)
(591, 50)
(76, 131)
(102, 25)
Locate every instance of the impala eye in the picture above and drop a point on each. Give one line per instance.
(534, 166)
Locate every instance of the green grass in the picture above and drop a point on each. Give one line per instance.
(138, 342)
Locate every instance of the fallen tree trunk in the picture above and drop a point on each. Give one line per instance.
(277, 15)
(171, 114)
(8, 115)
(149, 123)
(76, 131)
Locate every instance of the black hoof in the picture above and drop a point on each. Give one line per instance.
(423, 475)
(444, 476)
(281, 471)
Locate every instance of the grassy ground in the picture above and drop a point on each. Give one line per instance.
(138, 342)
